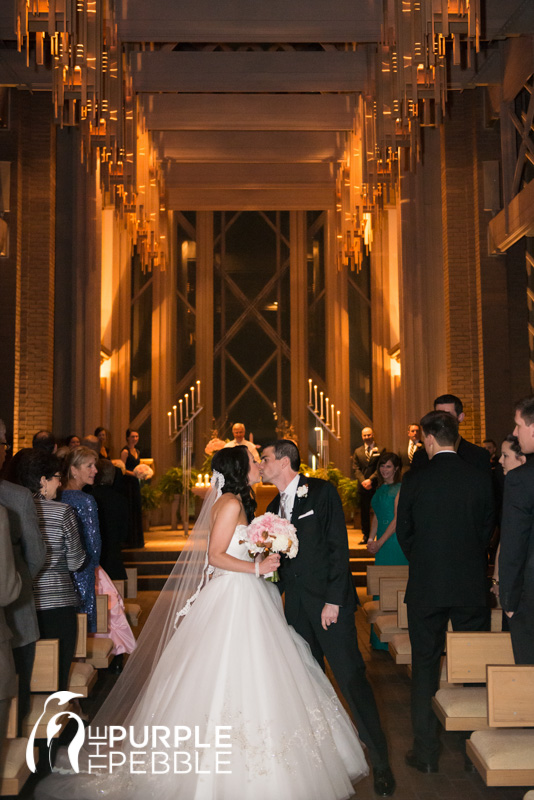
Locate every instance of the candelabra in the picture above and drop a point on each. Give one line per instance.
(189, 411)
(326, 418)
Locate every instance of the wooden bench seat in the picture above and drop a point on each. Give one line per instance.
(37, 707)
(14, 771)
(82, 678)
(99, 652)
(133, 613)
(461, 708)
(45, 666)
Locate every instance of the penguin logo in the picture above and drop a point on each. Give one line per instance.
(53, 727)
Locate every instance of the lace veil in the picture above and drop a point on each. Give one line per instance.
(189, 575)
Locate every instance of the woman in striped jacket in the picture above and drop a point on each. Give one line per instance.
(55, 597)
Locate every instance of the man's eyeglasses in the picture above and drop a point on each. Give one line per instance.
(6, 445)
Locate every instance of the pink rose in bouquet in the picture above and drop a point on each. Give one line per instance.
(269, 533)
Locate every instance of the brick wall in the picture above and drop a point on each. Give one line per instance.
(34, 336)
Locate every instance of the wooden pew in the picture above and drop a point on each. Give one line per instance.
(99, 649)
(399, 647)
(372, 609)
(504, 754)
(14, 771)
(386, 625)
(461, 708)
(45, 666)
(132, 610)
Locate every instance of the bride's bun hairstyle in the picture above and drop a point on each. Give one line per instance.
(233, 463)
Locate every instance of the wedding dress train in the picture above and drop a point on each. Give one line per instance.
(235, 662)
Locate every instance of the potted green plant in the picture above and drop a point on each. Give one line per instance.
(150, 501)
(348, 491)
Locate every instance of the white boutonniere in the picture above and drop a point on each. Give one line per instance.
(302, 491)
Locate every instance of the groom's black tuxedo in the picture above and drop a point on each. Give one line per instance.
(320, 574)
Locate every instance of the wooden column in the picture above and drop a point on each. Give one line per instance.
(299, 328)
(204, 329)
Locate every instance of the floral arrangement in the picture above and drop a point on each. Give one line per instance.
(118, 462)
(213, 445)
(269, 533)
(143, 472)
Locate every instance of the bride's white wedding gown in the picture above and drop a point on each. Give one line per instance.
(234, 661)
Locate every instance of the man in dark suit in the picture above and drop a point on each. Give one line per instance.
(516, 559)
(471, 453)
(320, 599)
(365, 460)
(412, 446)
(445, 519)
(10, 584)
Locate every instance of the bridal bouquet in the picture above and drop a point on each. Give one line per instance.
(143, 472)
(269, 533)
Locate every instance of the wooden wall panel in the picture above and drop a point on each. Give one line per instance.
(320, 71)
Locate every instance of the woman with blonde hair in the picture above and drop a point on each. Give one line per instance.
(79, 470)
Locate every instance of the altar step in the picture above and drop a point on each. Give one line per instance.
(154, 566)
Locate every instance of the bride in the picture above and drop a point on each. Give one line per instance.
(249, 711)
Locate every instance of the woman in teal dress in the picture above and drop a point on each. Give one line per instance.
(383, 542)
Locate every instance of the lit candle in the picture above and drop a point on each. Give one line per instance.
(198, 392)
(321, 396)
(199, 479)
(310, 391)
(327, 411)
(170, 424)
(192, 390)
(333, 418)
(206, 479)
(314, 463)
(175, 418)
(181, 412)
(187, 406)
(338, 425)
(315, 394)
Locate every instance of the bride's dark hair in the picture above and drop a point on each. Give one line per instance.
(233, 463)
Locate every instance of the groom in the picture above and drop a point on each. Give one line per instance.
(320, 599)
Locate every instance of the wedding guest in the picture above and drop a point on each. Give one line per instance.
(45, 440)
(29, 552)
(79, 470)
(238, 432)
(10, 586)
(55, 597)
(129, 453)
(468, 452)
(102, 436)
(365, 460)
(516, 559)
(73, 441)
(113, 519)
(445, 519)
(383, 542)
(414, 443)
(511, 458)
(129, 485)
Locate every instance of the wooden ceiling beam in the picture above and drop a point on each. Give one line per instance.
(321, 71)
(251, 112)
(248, 176)
(224, 199)
(244, 21)
(275, 147)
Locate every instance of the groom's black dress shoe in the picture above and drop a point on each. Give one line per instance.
(423, 766)
(384, 782)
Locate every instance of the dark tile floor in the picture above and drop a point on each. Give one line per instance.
(392, 688)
